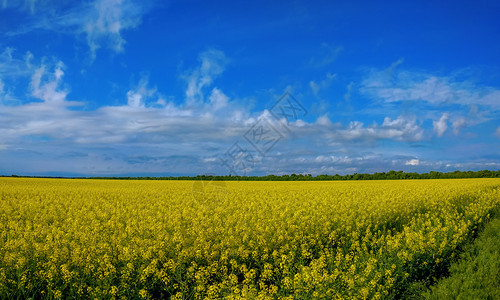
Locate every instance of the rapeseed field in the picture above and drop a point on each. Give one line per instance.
(112, 239)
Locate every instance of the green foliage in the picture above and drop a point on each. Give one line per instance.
(391, 175)
(477, 274)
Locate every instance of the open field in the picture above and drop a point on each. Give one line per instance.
(298, 240)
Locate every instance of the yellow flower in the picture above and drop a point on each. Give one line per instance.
(262, 240)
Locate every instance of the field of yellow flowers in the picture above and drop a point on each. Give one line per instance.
(69, 238)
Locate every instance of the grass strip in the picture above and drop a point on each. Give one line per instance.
(476, 275)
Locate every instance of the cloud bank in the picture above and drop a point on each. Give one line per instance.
(151, 134)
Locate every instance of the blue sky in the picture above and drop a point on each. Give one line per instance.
(121, 87)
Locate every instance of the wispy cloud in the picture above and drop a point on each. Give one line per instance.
(323, 84)
(467, 104)
(105, 21)
(11, 65)
(391, 85)
(102, 22)
(137, 97)
(212, 64)
(27, 5)
(441, 125)
(327, 56)
(49, 91)
(458, 124)
(45, 79)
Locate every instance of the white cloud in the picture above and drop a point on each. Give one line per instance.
(45, 79)
(323, 84)
(107, 19)
(136, 98)
(28, 5)
(349, 88)
(218, 99)
(12, 66)
(152, 133)
(441, 125)
(324, 121)
(344, 163)
(391, 85)
(403, 128)
(314, 87)
(48, 90)
(102, 22)
(145, 118)
(412, 162)
(333, 159)
(212, 64)
(458, 124)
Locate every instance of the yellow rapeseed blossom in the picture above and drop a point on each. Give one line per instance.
(62, 238)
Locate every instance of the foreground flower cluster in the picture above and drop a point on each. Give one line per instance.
(291, 240)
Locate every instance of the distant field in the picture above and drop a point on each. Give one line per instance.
(63, 238)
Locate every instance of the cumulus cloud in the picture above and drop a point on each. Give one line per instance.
(218, 99)
(324, 121)
(441, 125)
(402, 128)
(412, 162)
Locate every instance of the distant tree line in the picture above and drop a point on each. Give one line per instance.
(391, 175)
